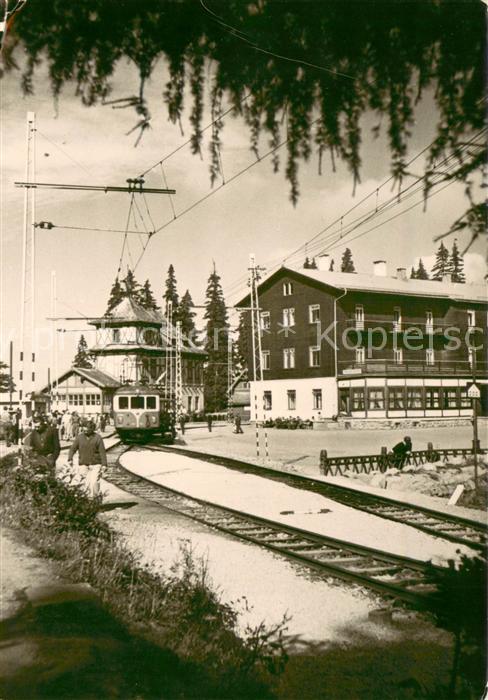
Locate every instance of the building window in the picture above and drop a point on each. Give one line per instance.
(398, 356)
(292, 399)
(450, 398)
(414, 397)
(429, 357)
(429, 321)
(287, 289)
(344, 401)
(397, 318)
(190, 403)
(465, 401)
(358, 399)
(314, 313)
(267, 400)
(288, 317)
(196, 403)
(471, 318)
(265, 321)
(265, 359)
(75, 399)
(116, 335)
(317, 399)
(396, 398)
(289, 358)
(92, 399)
(314, 356)
(376, 399)
(360, 356)
(359, 317)
(432, 397)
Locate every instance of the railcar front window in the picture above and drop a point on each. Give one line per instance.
(137, 402)
(151, 402)
(123, 402)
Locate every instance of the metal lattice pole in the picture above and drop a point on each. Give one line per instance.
(178, 373)
(256, 351)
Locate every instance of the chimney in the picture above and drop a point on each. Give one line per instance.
(380, 268)
(402, 273)
(447, 278)
(323, 262)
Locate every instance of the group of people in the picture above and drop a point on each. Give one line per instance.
(182, 420)
(43, 441)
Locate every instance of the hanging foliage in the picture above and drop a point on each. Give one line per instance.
(300, 72)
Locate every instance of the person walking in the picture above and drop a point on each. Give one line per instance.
(238, 421)
(50, 447)
(209, 422)
(181, 421)
(75, 424)
(103, 422)
(91, 458)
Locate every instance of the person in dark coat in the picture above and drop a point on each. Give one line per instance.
(50, 446)
(400, 451)
(238, 424)
(182, 422)
(209, 422)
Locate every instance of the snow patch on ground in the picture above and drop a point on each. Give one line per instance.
(279, 502)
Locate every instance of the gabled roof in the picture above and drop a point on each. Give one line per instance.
(95, 376)
(383, 285)
(129, 311)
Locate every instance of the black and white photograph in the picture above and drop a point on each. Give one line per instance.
(243, 350)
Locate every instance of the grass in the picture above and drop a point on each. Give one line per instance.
(179, 612)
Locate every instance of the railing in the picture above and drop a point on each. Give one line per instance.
(389, 366)
(364, 464)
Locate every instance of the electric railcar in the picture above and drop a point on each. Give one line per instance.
(140, 413)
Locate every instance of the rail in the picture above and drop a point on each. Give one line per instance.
(364, 464)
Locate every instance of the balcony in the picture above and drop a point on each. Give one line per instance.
(425, 327)
(411, 368)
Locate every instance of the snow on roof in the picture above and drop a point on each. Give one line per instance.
(129, 311)
(396, 285)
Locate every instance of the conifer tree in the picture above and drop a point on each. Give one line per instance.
(131, 286)
(331, 266)
(117, 293)
(347, 264)
(82, 357)
(413, 274)
(171, 292)
(421, 273)
(243, 344)
(146, 297)
(441, 266)
(186, 316)
(6, 380)
(456, 264)
(216, 346)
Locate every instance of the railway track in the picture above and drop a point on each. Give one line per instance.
(394, 576)
(450, 527)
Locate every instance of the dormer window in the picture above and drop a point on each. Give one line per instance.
(287, 289)
(116, 335)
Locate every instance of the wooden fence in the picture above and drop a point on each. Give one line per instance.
(333, 466)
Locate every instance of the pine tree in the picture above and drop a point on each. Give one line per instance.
(413, 274)
(331, 266)
(421, 273)
(146, 297)
(347, 264)
(186, 316)
(216, 346)
(6, 380)
(117, 293)
(441, 266)
(131, 286)
(456, 265)
(171, 292)
(82, 357)
(243, 345)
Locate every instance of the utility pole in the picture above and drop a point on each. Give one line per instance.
(257, 364)
(11, 370)
(178, 373)
(28, 282)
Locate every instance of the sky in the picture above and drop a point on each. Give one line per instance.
(251, 214)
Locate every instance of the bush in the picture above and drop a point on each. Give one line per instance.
(179, 612)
